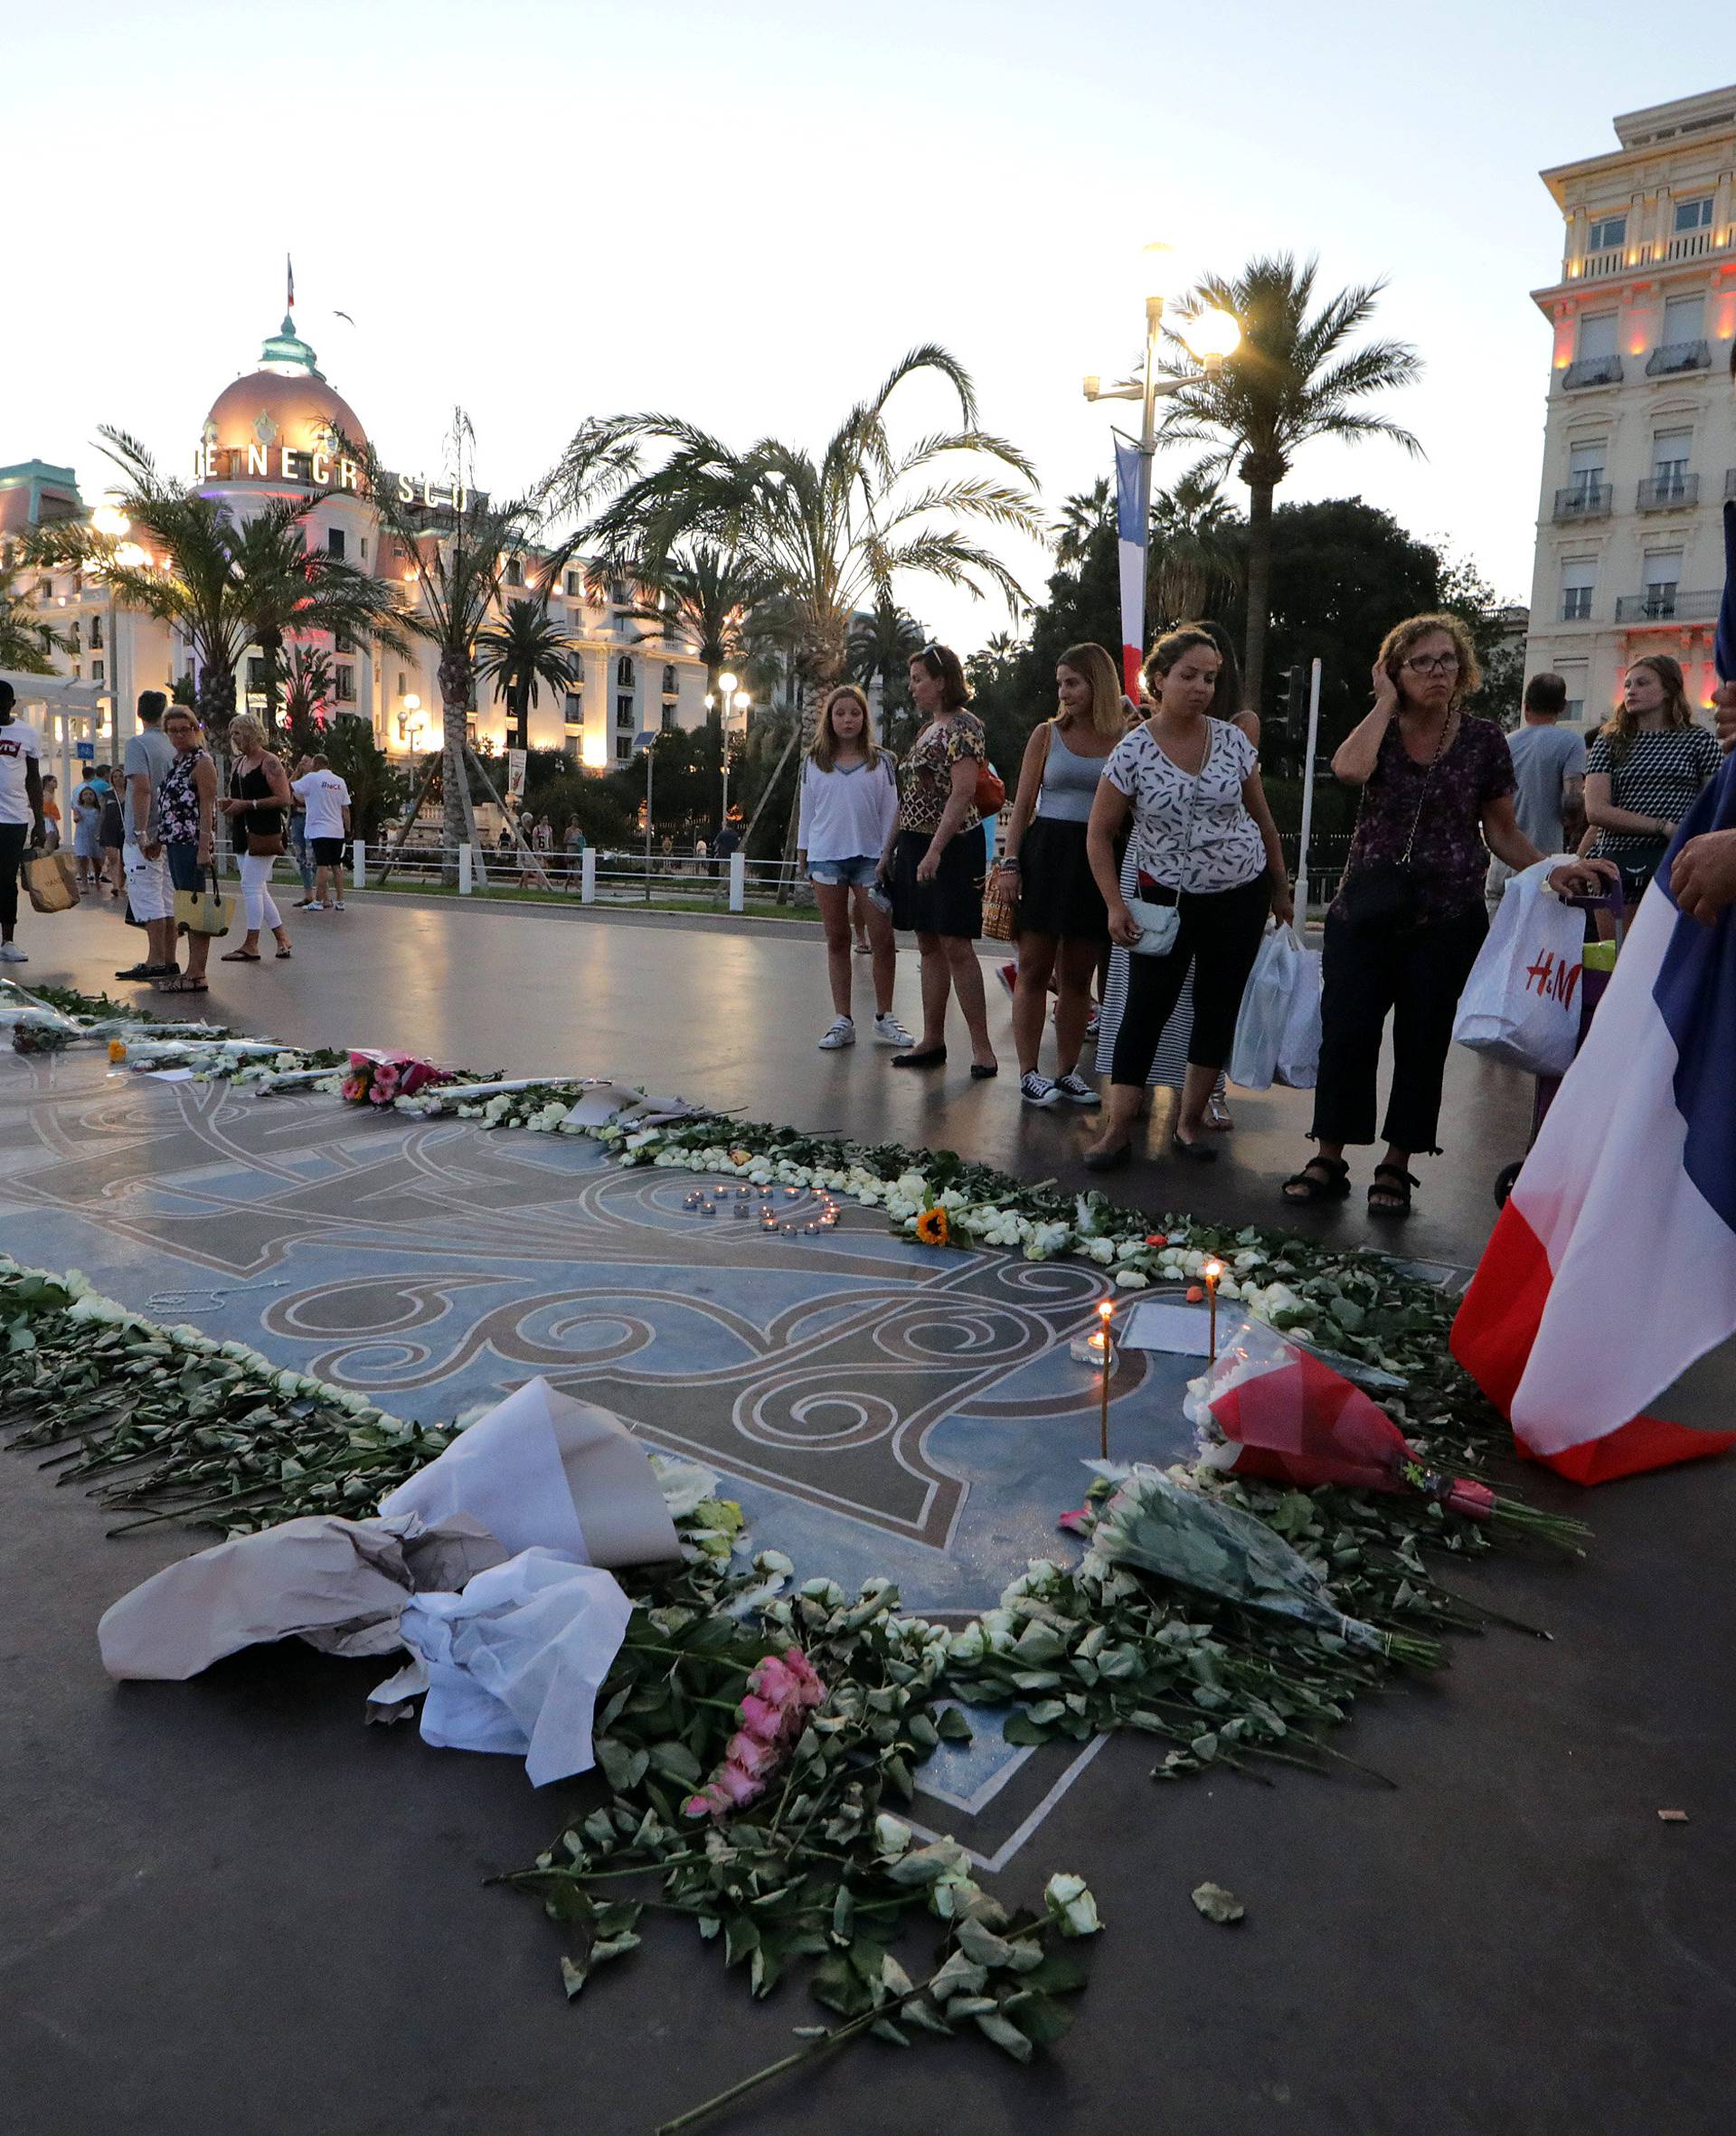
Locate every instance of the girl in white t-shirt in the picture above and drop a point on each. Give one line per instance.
(849, 806)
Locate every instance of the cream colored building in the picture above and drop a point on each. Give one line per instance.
(275, 431)
(1640, 449)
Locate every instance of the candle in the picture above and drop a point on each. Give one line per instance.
(1105, 1313)
(1213, 1274)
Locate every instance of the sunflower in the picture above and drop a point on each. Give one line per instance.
(932, 1228)
(116, 1049)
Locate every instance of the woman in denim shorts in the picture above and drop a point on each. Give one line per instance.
(849, 806)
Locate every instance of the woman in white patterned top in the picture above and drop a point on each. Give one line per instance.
(1203, 842)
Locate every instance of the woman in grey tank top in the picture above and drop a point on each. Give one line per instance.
(1062, 924)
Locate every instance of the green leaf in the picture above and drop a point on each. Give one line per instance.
(993, 2025)
(951, 1725)
(623, 1767)
(1020, 1729)
(677, 1761)
(573, 1977)
(883, 2028)
(1042, 2020)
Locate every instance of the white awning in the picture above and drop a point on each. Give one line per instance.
(59, 691)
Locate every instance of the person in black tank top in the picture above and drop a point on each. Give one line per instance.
(257, 807)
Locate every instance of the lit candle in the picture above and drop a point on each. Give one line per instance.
(1214, 1274)
(1105, 1314)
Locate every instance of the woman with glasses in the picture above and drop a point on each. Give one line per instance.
(935, 858)
(1409, 919)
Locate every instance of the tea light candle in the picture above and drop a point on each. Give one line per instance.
(1212, 1275)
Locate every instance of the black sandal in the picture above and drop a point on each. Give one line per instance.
(1395, 1196)
(930, 1056)
(1321, 1179)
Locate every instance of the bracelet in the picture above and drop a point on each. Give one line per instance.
(1009, 860)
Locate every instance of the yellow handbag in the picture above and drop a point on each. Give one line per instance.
(203, 910)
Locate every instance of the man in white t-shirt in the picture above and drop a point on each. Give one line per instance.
(326, 800)
(145, 858)
(21, 812)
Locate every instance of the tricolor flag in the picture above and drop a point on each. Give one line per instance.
(1132, 533)
(1602, 1315)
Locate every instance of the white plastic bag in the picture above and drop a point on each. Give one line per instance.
(1265, 1005)
(1277, 1031)
(1520, 1004)
(1298, 1049)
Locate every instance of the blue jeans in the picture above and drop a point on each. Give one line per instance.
(859, 873)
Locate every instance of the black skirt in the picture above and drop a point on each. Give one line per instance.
(1058, 894)
(953, 903)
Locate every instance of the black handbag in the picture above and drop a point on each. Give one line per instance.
(1385, 894)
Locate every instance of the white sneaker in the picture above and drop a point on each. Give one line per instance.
(1009, 974)
(1074, 1088)
(889, 1031)
(313, 905)
(337, 904)
(843, 1033)
(10, 953)
(1037, 1089)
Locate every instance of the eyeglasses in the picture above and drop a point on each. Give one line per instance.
(1435, 663)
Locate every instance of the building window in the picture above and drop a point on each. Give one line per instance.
(623, 672)
(258, 676)
(1572, 673)
(1662, 576)
(96, 634)
(623, 711)
(1585, 465)
(1684, 319)
(342, 642)
(95, 671)
(1597, 336)
(1606, 234)
(1694, 215)
(343, 682)
(669, 686)
(668, 719)
(334, 541)
(575, 709)
(575, 585)
(78, 637)
(1670, 451)
(623, 749)
(400, 682)
(513, 574)
(1579, 577)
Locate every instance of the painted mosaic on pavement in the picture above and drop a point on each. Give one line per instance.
(877, 1406)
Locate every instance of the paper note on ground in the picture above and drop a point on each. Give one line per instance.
(1153, 1324)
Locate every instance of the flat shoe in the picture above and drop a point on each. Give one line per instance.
(285, 952)
(1109, 1161)
(979, 1073)
(1196, 1153)
(932, 1057)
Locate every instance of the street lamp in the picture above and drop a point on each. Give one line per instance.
(1209, 337)
(727, 702)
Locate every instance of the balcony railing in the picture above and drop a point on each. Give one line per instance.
(1666, 604)
(1690, 244)
(1676, 356)
(1595, 266)
(1585, 500)
(1591, 370)
(1669, 493)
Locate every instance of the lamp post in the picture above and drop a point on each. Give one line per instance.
(1210, 337)
(726, 701)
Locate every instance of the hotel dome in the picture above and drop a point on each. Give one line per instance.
(286, 405)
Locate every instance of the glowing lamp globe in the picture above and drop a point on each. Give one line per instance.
(1213, 337)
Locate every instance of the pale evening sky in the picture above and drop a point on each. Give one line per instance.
(746, 214)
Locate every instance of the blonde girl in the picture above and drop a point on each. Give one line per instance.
(849, 806)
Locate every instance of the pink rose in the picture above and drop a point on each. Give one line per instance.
(760, 1720)
(751, 1756)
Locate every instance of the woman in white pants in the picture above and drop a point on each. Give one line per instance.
(257, 807)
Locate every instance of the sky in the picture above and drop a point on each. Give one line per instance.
(746, 215)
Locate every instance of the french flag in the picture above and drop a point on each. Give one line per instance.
(1132, 532)
(1601, 1316)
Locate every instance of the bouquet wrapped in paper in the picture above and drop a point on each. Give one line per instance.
(1152, 1521)
(379, 1078)
(1270, 1409)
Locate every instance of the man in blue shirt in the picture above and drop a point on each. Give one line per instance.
(1549, 763)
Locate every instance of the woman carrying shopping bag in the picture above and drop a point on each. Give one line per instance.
(1409, 919)
(189, 805)
(1208, 868)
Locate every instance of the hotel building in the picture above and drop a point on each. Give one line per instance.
(1640, 449)
(275, 432)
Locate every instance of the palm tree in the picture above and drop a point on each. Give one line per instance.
(518, 656)
(1192, 558)
(307, 695)
(834, 531)
(1292, 378)
(703, 591)
(25, 643)
(882, 639)
(1083, 514)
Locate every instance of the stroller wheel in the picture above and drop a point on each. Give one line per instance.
(1503, 1183)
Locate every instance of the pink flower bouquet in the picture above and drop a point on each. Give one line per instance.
(378, 1078)
(782, 1690)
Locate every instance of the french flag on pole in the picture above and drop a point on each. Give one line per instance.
(1132, 532)
(1601, 1316)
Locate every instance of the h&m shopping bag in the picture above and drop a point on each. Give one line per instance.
(1520, 1004)
(1284, 974)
